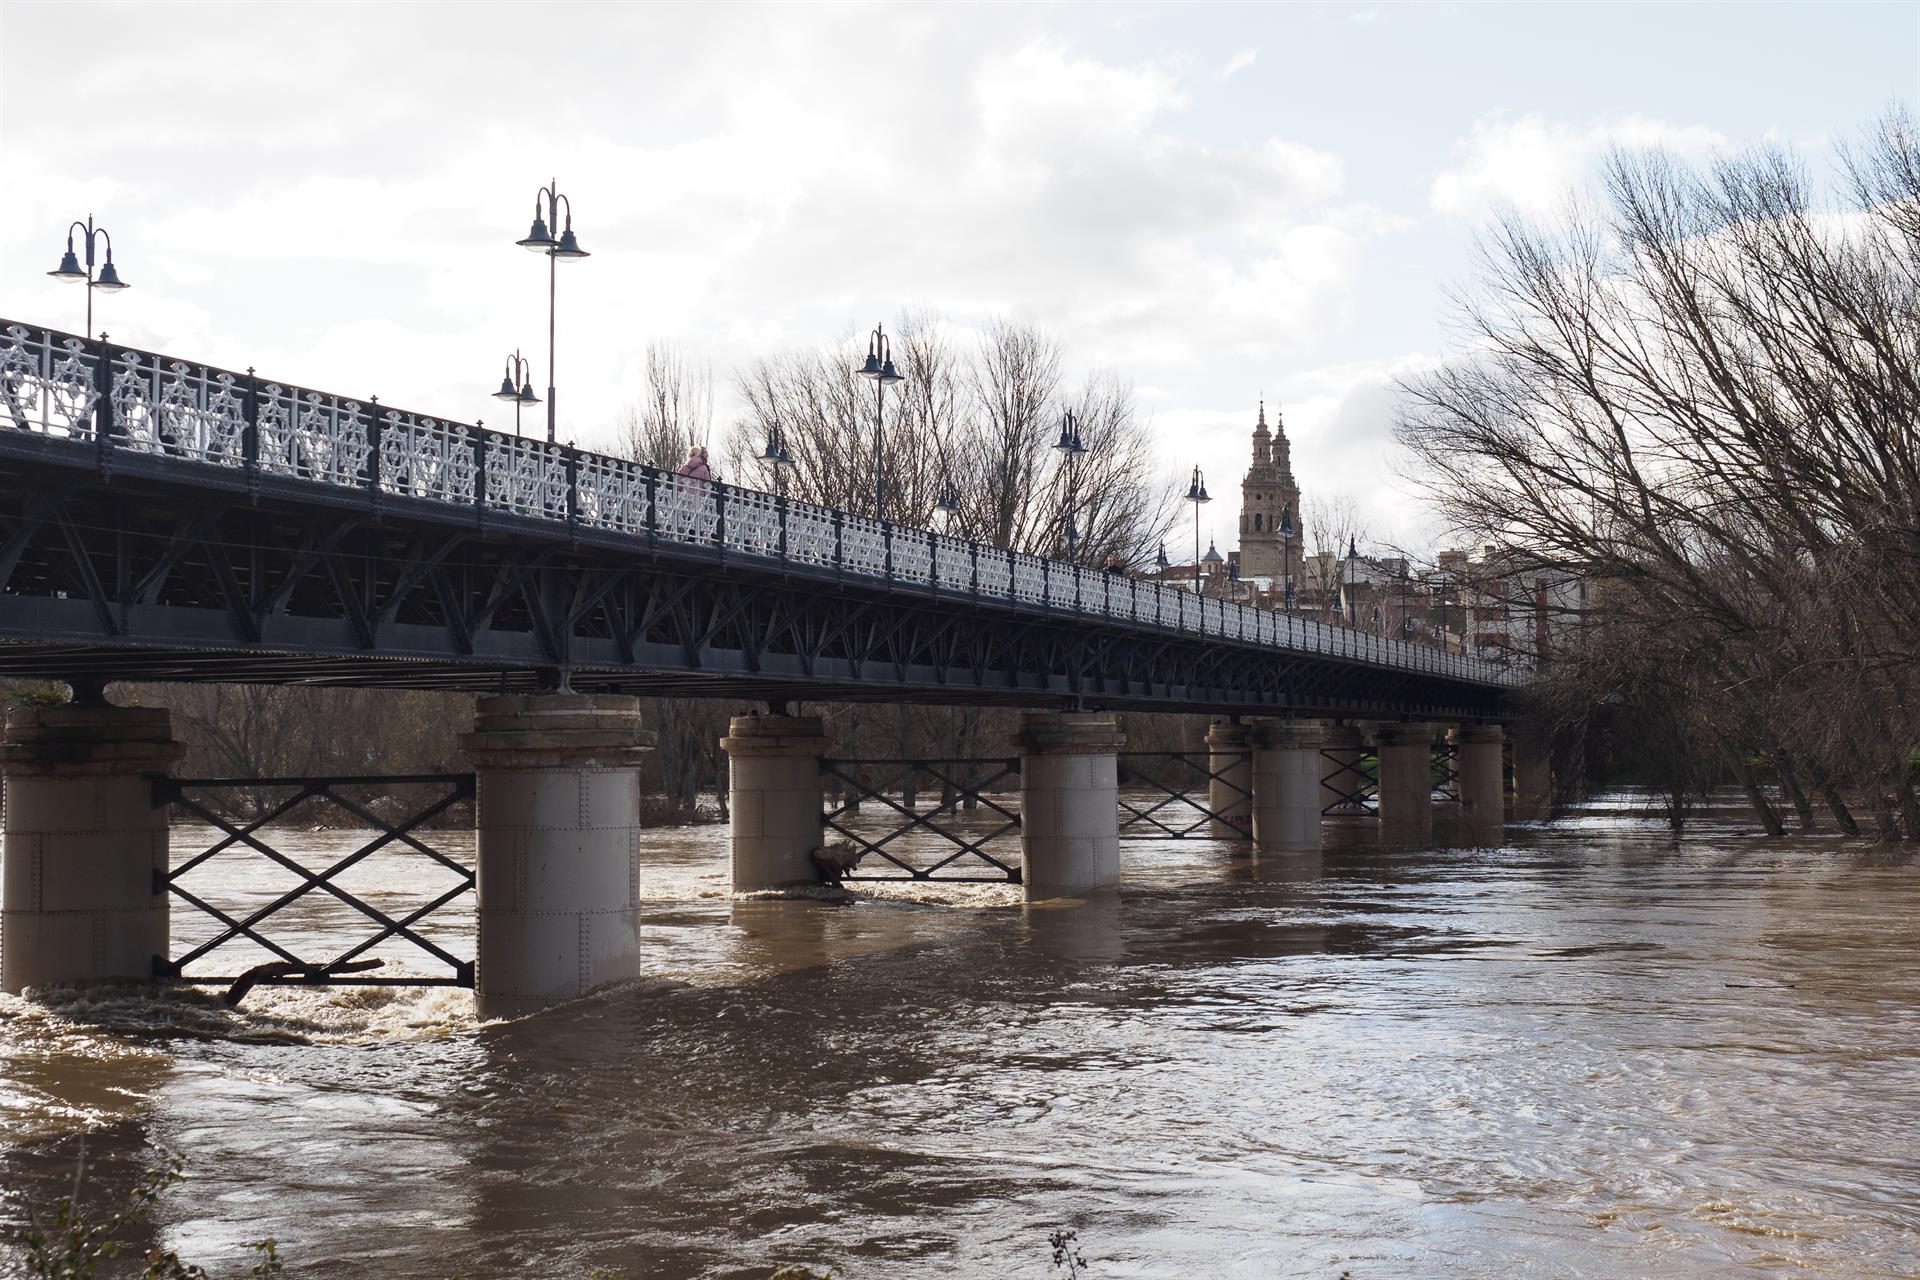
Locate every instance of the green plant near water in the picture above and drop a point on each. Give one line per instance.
(72, 1244)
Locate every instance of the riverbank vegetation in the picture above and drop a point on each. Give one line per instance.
(1700, 394)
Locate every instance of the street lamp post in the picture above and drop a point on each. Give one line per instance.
(1197, 495)
(1353, 568)
(948, 499)
(108, 281)
(1286, 557)
(778, 458)
(517, 385)
(879, 367)
(1071, 446)
(566, 249)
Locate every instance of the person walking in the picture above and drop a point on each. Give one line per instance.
(696, 467)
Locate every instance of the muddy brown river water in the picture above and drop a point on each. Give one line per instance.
(1592, 1053)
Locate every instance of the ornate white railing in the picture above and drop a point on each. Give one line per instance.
(109, 398)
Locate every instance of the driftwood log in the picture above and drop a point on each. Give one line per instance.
(281, 969)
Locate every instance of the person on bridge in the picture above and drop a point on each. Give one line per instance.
(695, 467)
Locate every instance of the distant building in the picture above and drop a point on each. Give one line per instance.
(1270, 549)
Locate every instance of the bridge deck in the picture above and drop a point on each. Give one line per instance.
(171, 520)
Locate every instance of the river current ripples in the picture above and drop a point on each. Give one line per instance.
(1591, 1053)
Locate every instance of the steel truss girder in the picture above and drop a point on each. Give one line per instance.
(137, 576)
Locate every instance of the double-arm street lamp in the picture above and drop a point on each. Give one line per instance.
(1197, 495)
(879, 367)
(1071, 446)
(948, 499)
(516, 385)
(108, 281)
(778, 458)
(566, 249)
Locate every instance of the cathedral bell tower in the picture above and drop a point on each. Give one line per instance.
(1269, 500)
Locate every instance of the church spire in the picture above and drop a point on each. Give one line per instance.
(1262, 438)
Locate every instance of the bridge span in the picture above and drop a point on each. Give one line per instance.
(165, 520)
(168, 520)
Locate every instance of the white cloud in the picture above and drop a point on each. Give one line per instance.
(1237, 63)
(1532, 163)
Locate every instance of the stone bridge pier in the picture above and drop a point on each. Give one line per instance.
(1479, 773)
(86, 847)
(557, 879)
(1069, 802)
(774, 799)
(1405, 753)
(1286, 786)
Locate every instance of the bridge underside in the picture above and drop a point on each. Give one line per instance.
(154, 571)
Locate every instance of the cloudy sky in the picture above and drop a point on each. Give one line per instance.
(1215, 201)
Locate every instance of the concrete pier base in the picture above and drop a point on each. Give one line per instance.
(1229, 748)
(1478, 770)
(774, 798)
(81, 898)
(1286, 786)
(1069, 807)
(1406, 783)
(1341, 745)
(1532, 774)
(558, 884)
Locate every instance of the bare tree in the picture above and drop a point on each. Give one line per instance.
(1330, 523)
(1708, 399)
(674, 413)
(984, 420)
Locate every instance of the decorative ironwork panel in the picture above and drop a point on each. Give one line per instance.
(1093, 590)
(1166, 605)
(996, 573)
(48, 387)
(753, 522)
(180, 410)
(311, 436)
(1061, 593)
(689, 510)
(912, 554)
(863, 545)
(526, 477)
(1029, 578)
(952, 563)
(809, 533)
(611, 493)
(425, 458)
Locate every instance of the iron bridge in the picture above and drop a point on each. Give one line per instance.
(162, 519)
